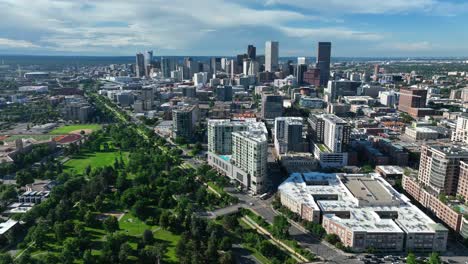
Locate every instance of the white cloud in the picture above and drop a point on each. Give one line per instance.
(12, 43)
(436, 7)
(330, 33)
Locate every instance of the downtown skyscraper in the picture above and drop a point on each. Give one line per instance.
(140, 65)
(323, 61)
(271, 56)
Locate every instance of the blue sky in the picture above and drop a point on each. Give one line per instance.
(213, 27)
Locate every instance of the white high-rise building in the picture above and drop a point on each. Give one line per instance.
(336, 133)
(239, 150)
(271, 56)
(249, 154)
(461, 130)
(220, 134)
(200, 78)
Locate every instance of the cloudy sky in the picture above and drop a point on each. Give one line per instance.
(217, 27)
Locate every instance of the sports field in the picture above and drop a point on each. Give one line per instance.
(72, 128)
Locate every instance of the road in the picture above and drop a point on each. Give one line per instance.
(264, 209)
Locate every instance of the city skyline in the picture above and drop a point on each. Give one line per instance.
(359, 29)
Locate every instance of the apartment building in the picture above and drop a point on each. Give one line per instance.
(364, 210)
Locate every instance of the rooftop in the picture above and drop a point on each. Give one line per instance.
(371, 202)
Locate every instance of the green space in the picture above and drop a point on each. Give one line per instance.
(79, 162)
(35, 137)
(69, 128)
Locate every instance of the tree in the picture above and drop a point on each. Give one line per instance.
(111, 224)
(6, 259)
(434, 258)
(332, 238)
(40, 234)
(267, 249)
(88, 257)
(164, 219)
(23, 178)
(60, 231)
(124, 253)
(227, 258)
(230, 222)
(281, 226)
(152, 254)
(411, 259)
(148, 237)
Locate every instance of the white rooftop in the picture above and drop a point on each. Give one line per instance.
(368, 199)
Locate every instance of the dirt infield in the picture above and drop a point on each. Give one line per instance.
(66, 139)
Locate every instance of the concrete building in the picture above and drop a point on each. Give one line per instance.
(312, 77)
(140, 65)
(331, 138)
(337, 89)
(247, 161)
(311, 102)
(220, 134)
(200, 78)
(388, 98)
(440, 209)
(272, 106)
(271, 56)
(462, 189)
(323, 61)
(184, 119)
(363, 210)
(439, 167)
(413, 102)
(460, 134)
(421, 133)
(288, 135)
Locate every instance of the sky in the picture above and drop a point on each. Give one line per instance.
(356, 28)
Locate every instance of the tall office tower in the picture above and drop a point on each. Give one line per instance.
(220, 135)
(323, 61)
(300, 70)
(439, 167)
(376, 72)
(188, 64)
(301, 60)
(215, 65)
(288, 135)
(337, 89)
(271, 56)
(411, 100)
(148, 59)
(272, 106)
(232, 68)
(140, 65)
(254, 68)
(224, 62)
(184, 119)
(249, 153)
(166, 67)
(336, 133)
(252, 52)
(245, 66)
(317, 128)
(461, 130)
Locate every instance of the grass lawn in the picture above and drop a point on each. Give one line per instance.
(69, 128)
(36, 137)
(135, 227)
(79, 162)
